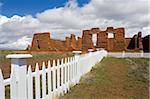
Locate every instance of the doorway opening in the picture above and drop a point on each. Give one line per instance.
(94, 39)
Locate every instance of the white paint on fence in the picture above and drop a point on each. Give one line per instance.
(37, 82)
(43, 80)
(2, 87)
(129, 54)
(60, 77)
(30, 83)
(49, 81)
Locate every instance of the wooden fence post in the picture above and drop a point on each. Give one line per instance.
(19, 68)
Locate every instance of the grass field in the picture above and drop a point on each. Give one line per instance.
(114, 78)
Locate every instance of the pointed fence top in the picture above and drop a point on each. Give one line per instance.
(17, 56)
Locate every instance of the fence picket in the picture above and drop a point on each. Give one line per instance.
(68, 71)
(49, 81)
(37, 82)
(2, 87)
(62, 76)
(76, 72)
(70, 67)
(65, 65)
(30, 83)
(13, 86)
(54, 77)
(43, 80)
(58, 76)
(73, 73)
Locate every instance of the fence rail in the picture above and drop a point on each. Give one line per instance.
(127, 54)
(50, 82)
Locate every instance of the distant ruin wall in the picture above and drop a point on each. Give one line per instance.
(118, 42)
(146, 43)
(87, 40)
(41, 42)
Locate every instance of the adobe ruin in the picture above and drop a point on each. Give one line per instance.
(112, 39)
(43, 42)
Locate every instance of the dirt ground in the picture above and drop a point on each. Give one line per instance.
(114, 78)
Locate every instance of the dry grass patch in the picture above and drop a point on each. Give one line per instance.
(114, 78)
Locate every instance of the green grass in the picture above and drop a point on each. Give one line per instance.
(138, 73)
(114, 78)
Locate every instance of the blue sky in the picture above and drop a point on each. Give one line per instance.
(26, 7)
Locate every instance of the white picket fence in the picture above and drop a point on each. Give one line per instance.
(48, 83)
(128, 54)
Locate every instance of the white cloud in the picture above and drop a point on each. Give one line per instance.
(3, 19)
(132, 14)
(19, 44)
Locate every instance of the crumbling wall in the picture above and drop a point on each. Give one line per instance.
(119, 42)
(146, 43)
(58, 45)
(73, 42)
(111, 44)
(68, 43)
(79, 44)
(135, 42)
(127, 42)
(41, 42)
(110, 29)
(139, 41)
(95, 30)
(102, 40)
(87, 40)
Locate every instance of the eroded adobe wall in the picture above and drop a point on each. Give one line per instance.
(102, 40)
(146, 43)
(73, 42)
(119, 40)
(139, 41)
(58, 45)
(41, 42)
(111, 44)
(110, 29)
(135, 42)
(68, 43)
(114, 44)
(127, 40)
(87, 40)
(95, 30)
(79, 44)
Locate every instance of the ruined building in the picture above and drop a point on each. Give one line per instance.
(111, 39)
(43, 42)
